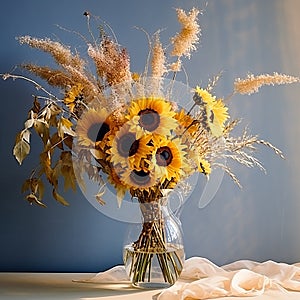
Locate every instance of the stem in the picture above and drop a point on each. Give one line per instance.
(152, 246)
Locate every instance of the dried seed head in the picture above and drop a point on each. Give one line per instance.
(184, 42)
(158, 62)
(252, 83)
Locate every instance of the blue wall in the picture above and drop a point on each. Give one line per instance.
(259, 222)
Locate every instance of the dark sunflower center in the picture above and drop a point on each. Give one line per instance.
(164, 156)
(212, 116)
(140, 178)
(127, 145)
(149, 119)
(97, 131)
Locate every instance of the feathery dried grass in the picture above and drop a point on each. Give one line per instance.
(61, 53)
(240, 149)
(158, 63)
(252, 83)
(53, 77)
(111, 63)
(184, 42)
(90, 88)
(176, 66)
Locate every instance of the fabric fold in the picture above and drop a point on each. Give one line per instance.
(202, 279)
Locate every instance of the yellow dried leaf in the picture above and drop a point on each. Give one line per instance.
(21, 150)
(25, 134)
(41, 189)
(31, 120)
(45, 160)
(42, 130)
(70, 179)
(56, 173)
(35, 186)
(31, 198)
(67, 170)
(36, 105)
(56, 141)
(26, 185)
(65, 127)
(59, 198)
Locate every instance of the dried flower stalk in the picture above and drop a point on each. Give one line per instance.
(60, 53)
(252, 83)
(90, 88)
(184, 42)
(158, 62)
(111, 63)
(53, 77)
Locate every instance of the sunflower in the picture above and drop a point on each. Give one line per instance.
(93, 126)
(151, 115)
(126, 149)
(138, 179)
(169, 159)
(215, 111)
(73, 95)
(187, 123)
(204, 166)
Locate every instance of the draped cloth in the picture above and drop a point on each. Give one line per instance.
(202, 279)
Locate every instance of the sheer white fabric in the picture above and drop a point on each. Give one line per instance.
(202, 279)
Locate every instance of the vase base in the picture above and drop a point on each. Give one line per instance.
(152, 269)
(151, 285)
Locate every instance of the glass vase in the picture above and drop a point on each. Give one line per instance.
(153, 250)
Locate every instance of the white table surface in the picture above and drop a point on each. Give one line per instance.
(60, 286)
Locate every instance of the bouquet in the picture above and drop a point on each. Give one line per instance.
(128, 130)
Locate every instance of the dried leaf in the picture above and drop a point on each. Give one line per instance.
(26, 135)
(31, 198)
(59, 198)
(30, 122)
(67, 170)
(26, 185)
(21, 149)
(41, 189)
(65, 127)
(36, 105)
(68, 140)
(42, 130)
(56, 141)
(35, 186)
(45, 161)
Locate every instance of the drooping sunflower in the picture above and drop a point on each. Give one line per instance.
(169, 159)
(151, 115)
(126, 149)
(215, 110)
(93, 126)
(73, 95)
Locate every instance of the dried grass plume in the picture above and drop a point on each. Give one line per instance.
(184, 42)
(252, 83)
(158, 62)
(59, 52)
